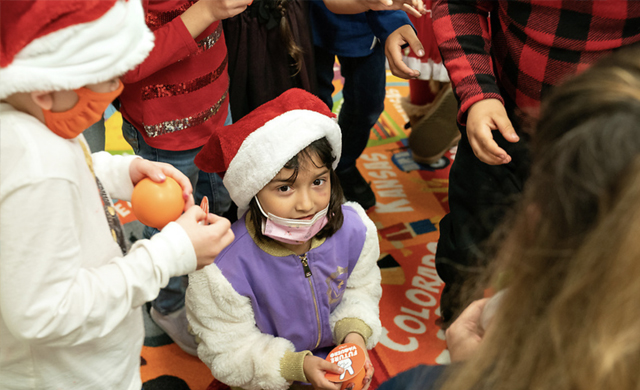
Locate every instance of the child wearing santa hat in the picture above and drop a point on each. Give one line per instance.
(301, 275)
(70, 298)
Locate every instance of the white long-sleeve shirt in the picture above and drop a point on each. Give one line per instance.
(70, 301)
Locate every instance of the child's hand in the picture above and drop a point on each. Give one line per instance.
(483, 117)
(158, 172)
(209, 239)
(204, 12)
(465, 334)
(315, 368)
(357, 339)
(414, 7)
(224, 9)
(393, 50)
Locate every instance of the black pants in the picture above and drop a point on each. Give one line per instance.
(363, 92)
(479, 196)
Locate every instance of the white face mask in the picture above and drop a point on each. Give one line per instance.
(292, 231)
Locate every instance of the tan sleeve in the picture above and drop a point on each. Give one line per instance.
(291, 366)
(351, 325)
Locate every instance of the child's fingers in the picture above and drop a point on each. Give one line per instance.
(368, 373)
(409, 9)
(212, 218)
(223, 237)
(195, 213)
(219, 223)
(327, 384)
(179, 177)
(330, 367)
(221, 228)
(189, 202)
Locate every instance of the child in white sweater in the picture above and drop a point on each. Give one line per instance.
(70, 297)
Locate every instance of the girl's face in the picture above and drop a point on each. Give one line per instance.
(299, 199)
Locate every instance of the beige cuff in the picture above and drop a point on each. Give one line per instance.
(351, 325)
(291, 366)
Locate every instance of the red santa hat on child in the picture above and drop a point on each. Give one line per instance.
(49, 45)
(253, 150)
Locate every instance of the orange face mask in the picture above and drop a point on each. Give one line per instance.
(87, 111)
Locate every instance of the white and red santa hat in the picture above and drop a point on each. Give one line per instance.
(49, 45)
(253, 150)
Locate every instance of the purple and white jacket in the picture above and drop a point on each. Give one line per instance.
(258, 301)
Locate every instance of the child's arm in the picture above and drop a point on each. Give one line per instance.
(359, 311)
(470, 66)
(113, 172)
(200, 15)
(54, 288)
(230, 343)
(176, 39)
(415, 7)
(119, 174)
(55, 291)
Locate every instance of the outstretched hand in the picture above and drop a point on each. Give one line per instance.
(158, 172)
(465, 333)
(483, 117)
(393, 51)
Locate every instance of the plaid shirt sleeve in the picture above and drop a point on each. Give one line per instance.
(463, 35)
(529, 47)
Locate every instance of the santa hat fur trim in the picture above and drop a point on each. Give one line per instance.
(75, 55)
(253, 150)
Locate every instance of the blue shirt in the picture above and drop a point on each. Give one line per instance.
(352, 35)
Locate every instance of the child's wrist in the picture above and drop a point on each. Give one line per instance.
(355, 338)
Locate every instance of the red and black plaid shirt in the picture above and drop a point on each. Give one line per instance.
(526, 47)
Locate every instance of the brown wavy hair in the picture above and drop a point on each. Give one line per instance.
(321, 148)
(570, 253)
(293, 49)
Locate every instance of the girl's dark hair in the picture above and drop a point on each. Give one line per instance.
(294, 50)
(321, 148)
(273, 13)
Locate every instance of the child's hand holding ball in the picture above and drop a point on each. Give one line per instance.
(161, 194)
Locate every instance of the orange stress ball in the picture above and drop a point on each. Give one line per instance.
(157, 204)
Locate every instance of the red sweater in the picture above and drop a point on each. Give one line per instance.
(178, 95)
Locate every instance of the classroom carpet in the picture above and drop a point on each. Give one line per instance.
(411, 200)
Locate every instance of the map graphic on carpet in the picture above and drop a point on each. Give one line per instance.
(411, 200)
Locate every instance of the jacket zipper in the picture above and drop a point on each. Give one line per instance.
(307, 274)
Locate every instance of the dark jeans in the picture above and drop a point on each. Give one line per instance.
(479, 196)
(363, 92)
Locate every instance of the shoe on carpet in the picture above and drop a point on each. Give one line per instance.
(433, 126)
(176, 326)
(356, 188)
